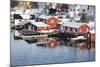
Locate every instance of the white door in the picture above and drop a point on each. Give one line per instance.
(29, 27)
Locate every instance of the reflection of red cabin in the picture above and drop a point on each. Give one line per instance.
(92, 31)
(75, 27)
(52, 21)
(52, 44)
(36, 26)
(92, 36)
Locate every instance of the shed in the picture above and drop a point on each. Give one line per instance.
(75, 27)
(52, 21)
(36, 26)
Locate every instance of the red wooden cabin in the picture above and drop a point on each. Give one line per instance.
(52, 21)
(76, 28)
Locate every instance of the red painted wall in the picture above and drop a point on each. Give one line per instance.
(93, 36)
(42, 28)
(52, 22)
(83, 29)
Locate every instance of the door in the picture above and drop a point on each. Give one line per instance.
(29, 27)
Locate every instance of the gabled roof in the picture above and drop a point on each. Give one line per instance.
(73, 24)
(61, 21)
(46, 17)
(25, 16)
(23, 22)
(32, 11)
(17, 21)
(40, 24)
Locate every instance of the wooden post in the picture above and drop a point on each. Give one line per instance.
(88, 40)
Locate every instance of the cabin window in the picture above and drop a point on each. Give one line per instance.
(83, 10)
(68, 29)
(70, 9)
(73, 9)
(74, 30)
(44, 21)
(17, 16)
(65, 28)
(32, 17)
(41, 20)
(80, 30)
(38, 19)
(71, 29)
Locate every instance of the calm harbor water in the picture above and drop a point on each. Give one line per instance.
(23, 53)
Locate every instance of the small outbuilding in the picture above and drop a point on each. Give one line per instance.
(75, 28)
(36, 26)
(52, 21)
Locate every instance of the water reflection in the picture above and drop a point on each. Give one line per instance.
(48, 50)
(53, 42)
